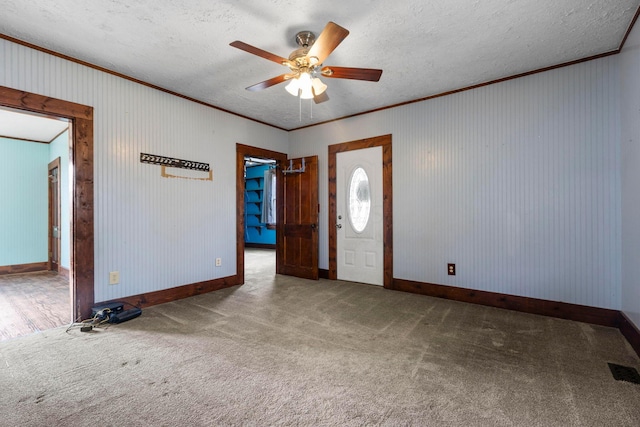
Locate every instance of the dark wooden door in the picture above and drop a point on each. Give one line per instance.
(298, 235)
(54, 215)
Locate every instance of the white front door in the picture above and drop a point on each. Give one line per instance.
(359, 221)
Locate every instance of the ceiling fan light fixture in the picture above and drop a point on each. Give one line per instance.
(304, 86)
(293, 87)
(305, 64)
(306, 93)
(305, 79)
(318, 86)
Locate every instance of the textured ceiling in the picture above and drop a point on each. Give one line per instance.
(30, 127)
(424, 47)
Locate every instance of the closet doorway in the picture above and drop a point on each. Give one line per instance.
(260, 218)
(260, 203)
(254, 257)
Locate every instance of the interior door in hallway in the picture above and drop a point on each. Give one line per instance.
(298, 234)
(360, 246)
(54, 215)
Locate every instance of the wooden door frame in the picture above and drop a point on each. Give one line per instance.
(383, 141)
(81, 161)
(243, 151)
(54, 164)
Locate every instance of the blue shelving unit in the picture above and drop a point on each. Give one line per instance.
(256, 232)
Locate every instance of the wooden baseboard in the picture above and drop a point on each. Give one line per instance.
(630, 332)
(323, 274)
(24, 268)
(173, 294)
(562, 310)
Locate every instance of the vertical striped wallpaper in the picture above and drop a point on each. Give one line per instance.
(516, 183)
(157, 232)
(630, 125)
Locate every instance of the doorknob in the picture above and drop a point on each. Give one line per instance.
(313, 227)
(338, 225)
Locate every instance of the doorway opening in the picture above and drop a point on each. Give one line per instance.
(387, 203)
(35, 246)
(81, 254)
(256, 235)
(260, 203)
(296, 212)
(260, 207)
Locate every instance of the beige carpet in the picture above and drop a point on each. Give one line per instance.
(283, 351)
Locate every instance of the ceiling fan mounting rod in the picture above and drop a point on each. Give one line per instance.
(305, 39)
(299, 58)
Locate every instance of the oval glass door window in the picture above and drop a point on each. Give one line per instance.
(359, 200)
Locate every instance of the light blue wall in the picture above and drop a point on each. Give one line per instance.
(59, 147)
(23, 202)
(630, 136)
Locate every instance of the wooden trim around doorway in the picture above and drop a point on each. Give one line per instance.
(81, 159)
(387, 204)
(243, 151)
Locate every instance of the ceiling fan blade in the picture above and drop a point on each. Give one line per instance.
(268, 83)
(369, 74)
(257, 51)
(327, 41)
(323, 97)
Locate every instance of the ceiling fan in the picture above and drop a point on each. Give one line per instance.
(305, 64)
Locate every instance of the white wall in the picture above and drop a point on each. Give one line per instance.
(630, 119)
(157, 232)
(517, 183)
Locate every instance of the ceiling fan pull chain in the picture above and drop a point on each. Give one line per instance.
(300, 107)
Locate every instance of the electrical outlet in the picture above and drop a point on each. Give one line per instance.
(218, 262)
(114, 277)
(451, 269)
